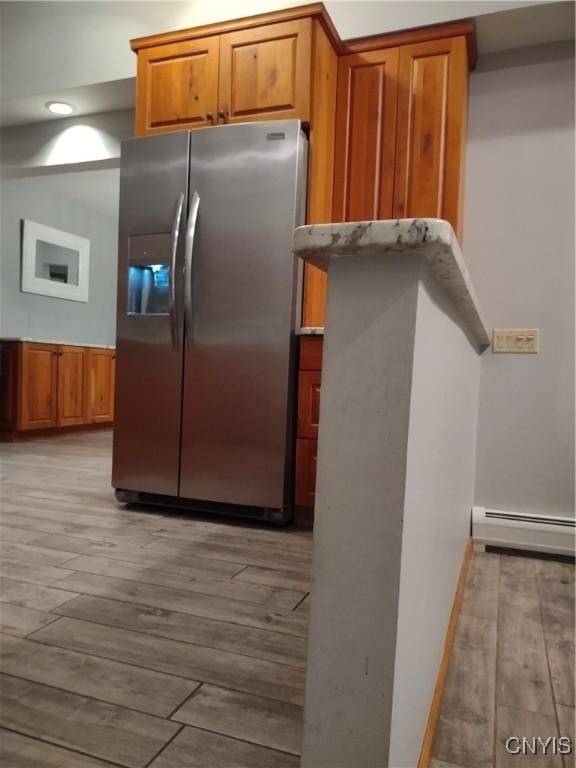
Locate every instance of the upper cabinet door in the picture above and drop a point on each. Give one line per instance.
(431, 135)
(177, 86)
(265, 73)
(365, 135)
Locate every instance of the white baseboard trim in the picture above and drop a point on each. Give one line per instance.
(520, 530)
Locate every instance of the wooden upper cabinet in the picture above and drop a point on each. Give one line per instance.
(39, 386)
(177, 86)
(265, 72)
(431, 130)
(71, 386)
(100, 388)
(365, 135)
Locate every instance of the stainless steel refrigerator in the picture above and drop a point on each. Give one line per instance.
(208, 300)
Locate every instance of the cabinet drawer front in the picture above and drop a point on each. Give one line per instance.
(38, 383)
(305, 487)
(311, 353)
(430, 146)
(265, 72)
(308, 403)
(177, 86)
(365, 135)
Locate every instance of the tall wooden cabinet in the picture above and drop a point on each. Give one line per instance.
(400, 131)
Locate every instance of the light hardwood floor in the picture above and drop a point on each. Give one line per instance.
(139, 638)
(512, 668)
(142, 637)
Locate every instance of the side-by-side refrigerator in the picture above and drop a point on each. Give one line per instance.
(208, 300)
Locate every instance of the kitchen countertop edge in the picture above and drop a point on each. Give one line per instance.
(30, 340)
(434, 239)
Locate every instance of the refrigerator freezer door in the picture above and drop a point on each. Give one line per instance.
(236, 425)
(153, 199)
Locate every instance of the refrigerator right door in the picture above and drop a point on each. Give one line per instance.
(241, 289)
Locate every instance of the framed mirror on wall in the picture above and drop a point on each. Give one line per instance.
(54, 263)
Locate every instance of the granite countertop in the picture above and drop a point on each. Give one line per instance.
(433, 239)
(310, 330)
(57, 341)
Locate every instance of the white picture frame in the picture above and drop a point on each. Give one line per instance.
(58, 287)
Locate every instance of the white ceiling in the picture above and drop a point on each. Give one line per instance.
(79, 51)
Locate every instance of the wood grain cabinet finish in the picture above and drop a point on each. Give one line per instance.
(71, 366)
(101, 365)
(177, 86)
(310, 364)
(54, 386)
(365, 135)
(431, 130)
(265, 73)
(38, 386)
(305, 491)
(308, 403)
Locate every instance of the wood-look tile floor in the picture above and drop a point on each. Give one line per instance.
(511, 673)
(141, 637)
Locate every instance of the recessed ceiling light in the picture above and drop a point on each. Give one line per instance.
(59, 107)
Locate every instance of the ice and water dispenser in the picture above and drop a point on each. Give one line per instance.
(149, 275)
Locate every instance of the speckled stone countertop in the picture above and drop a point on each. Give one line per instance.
(434, 239)
(56, 341)
(310, 330)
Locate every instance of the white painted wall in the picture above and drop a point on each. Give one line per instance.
(519, 246)
(440, 467)
(46, 46)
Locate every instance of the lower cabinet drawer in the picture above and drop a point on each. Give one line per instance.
(305, 472)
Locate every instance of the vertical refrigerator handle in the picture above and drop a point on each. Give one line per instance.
(188, 248)
(174, 244)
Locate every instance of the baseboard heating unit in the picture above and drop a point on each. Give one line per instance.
(521, 530)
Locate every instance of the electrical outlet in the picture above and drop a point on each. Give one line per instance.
(515, 340)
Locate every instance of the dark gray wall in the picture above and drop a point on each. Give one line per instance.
(80, 212)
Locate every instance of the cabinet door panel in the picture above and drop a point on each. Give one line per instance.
(432, 98)
(38, 382)
(71, 386)
(365, 135)
(308, 403)
(265, 72)
(177, 86)
(100, 390)
(305, 484)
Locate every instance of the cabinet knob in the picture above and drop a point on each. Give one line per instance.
(222, 115)
(210, 117)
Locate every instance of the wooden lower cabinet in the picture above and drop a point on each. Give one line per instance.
(310, 364)
(71, 366)
(101, 364)
(306, 451)
(38, 386)
(54, 386)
